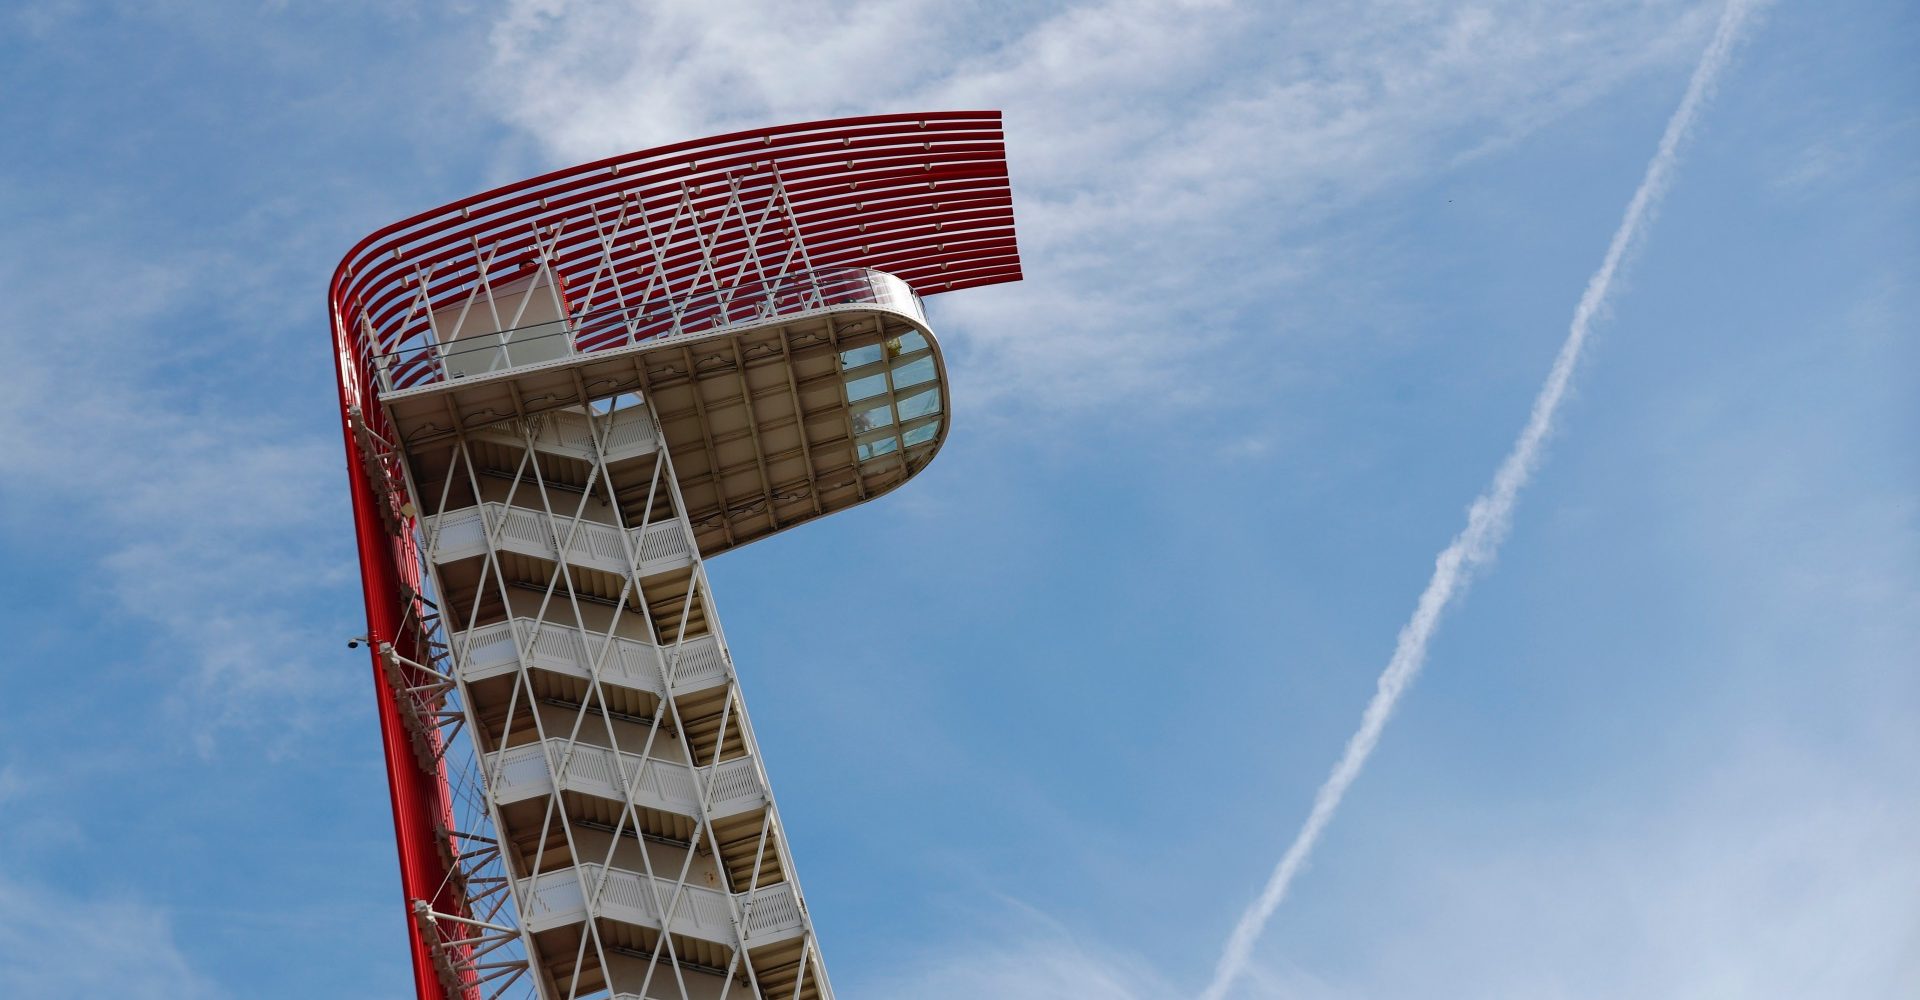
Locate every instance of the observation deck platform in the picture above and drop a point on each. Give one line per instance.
(779, 401)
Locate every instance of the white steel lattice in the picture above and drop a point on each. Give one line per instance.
(644, 851)
(723, 252)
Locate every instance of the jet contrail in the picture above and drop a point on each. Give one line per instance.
(1487, 519)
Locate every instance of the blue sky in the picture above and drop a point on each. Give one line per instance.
(1293, 279)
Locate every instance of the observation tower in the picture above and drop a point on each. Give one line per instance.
(559, 399)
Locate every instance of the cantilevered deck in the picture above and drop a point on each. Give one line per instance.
(824, 393)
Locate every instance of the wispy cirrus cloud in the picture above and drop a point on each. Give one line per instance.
(1781, 871)
(168, 366)
(56, 944)
(190, 510)
(1172, 162)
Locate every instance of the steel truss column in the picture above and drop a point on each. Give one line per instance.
(560, 607)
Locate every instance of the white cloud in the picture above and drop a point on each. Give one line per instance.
(197, 514)
(56, 945)
(13, 785)
(1032, 957)
(1170, 160)
(1045, 963)
(1782, 873)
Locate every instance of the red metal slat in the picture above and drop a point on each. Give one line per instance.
(984, 123)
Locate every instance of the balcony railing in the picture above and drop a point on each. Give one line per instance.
(749, 303)
(555, 899)
(621, 434)
(462, 534)
(522, 772)
(492, 650)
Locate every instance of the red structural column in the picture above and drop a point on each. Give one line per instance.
(420, 801)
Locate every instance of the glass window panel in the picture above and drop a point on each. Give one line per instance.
(906, 343)
(861, 356)
(927, 401)
(883, 446)
(865, 388)
(866, 420)
(913, 372)
(923, 433)
(612, 403)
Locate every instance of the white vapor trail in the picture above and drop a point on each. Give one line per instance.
(1490, 515)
